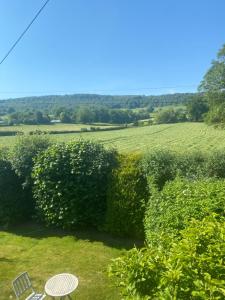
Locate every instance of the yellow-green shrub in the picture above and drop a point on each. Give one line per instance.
(191, 268)
(126, 198)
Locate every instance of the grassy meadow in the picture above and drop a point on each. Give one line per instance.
(178, 137)
(44, 253)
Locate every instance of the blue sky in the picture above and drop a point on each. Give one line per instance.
(109, 46)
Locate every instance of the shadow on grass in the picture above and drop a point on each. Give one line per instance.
(38, 231)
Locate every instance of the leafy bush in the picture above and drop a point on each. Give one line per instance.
(160, 166)
(12, 202)
(193, 268)
(169, 210)
(164, 165)
(215, 164)
(127, 197)
(170, 115)
(24, 151)
(70, 183)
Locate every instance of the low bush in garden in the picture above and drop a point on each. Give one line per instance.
(169, 210)
(192, 268)
(126, 198)
(13, 206)
(160, 166)
(70, 183)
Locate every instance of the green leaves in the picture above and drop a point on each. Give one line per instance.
(126, 198)
(191, 268)
(70, 183)
(169, 210)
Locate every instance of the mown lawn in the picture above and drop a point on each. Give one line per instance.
(180, 137)
(44, 253)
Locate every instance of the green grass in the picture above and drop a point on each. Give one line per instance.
(180, 137)
(44, 253)
(55, 127)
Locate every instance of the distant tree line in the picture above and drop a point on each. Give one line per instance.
(84, 114)
(47, 104)
(100, 115)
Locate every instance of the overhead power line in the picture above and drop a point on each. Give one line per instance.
(24, 32)
(100, 90)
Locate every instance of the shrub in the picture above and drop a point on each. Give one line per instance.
(169, 210)
(127, 197)
(170, 115)
(193, 268)
(215, 164)
(160, 166)
(24, 151)
(191, 165)
(70, 183)
(26, 148)
(164, 165)
(12, 203)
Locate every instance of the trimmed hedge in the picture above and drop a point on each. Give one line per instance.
(169, 210)
(70, 183)
(191, 268)
(164, 165)
(126, 198)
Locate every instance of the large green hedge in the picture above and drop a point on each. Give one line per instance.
(191, 268)
(126, 198)
(13, 206)
(70, 183)
(169, 210)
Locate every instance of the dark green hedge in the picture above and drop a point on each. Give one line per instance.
(70, 183)
(13, 206)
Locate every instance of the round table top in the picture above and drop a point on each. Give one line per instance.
(61, 285)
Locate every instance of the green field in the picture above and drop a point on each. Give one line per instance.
(178, 137)
(44, 253)
(53, 127)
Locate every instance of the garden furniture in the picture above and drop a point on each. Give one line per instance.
(61, 286)
(22, 284)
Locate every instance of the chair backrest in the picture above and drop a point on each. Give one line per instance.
(21, 284)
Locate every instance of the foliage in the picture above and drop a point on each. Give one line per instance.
(70, 183)
(192, 268)
(55, 104)
(213, 85)
(164, 165)
(126, 198)
(13, 206)
(197, 108)
(160, 166)
(170, 115)
(26, 148)
(169, 210)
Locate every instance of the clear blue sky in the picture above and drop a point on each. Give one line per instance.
(109, 46)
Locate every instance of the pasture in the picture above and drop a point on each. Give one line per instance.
(44, 252)
(178, 137)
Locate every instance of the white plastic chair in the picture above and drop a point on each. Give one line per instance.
(22, 284)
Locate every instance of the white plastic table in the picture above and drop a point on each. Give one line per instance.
(61, 285)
